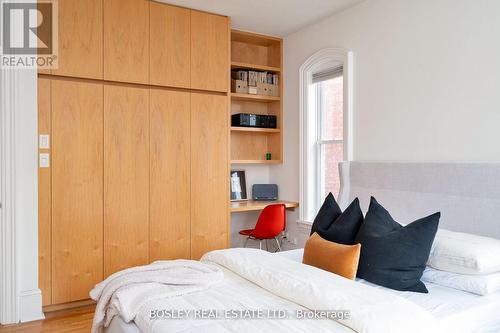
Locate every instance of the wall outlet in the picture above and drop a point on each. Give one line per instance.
(294, 241)
(44, 141)
(44, 160)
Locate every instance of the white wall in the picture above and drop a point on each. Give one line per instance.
(427, 76)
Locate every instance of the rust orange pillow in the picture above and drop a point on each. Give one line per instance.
(333, 257)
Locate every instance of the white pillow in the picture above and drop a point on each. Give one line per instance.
(476, 284)
(464, 253)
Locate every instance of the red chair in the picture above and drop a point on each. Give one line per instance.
(271, 223)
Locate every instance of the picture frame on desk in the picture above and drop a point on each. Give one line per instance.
(237, 180)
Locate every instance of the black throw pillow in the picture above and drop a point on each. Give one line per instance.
(392, 255)
(328, 213)
(345, 227)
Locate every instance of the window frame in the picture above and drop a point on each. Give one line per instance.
(310, 136)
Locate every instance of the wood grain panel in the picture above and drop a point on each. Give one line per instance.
(170, 175)
(209, 51)
(249, 145)
(80, 39)
(126, 40)
(77, 182)
(126, 177)
(170, 33)
(209, 173)
(249, 53)
(43, 30)
(44, 197)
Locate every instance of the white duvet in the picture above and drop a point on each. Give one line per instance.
(258, 280)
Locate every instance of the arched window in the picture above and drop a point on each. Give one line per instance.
(325, 125)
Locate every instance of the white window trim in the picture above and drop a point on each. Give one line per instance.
(321, 60)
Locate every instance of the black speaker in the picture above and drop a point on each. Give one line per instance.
(265, 192)
(253, 120)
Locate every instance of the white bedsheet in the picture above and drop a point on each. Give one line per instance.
(259, 280)
(452, 307)
(237, 293)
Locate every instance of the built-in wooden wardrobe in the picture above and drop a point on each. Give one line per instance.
(137, 115)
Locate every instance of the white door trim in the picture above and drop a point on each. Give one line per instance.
(20, 297)
(9, 305)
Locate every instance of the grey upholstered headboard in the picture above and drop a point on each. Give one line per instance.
(466, 194)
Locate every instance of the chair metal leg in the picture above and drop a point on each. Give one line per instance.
(278, 243)
(246, 241)
(260, 244)
(267, 245)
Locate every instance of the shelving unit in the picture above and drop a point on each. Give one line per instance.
(255, 129)
(243, 65)
(248, 97)
(251, 51)
(255, 162)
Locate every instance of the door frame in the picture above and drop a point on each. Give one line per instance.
(20, 297)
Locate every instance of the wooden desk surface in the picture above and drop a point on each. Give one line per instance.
(252, 205)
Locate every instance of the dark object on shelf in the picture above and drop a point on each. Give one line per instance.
(265, 192)
(253, 120)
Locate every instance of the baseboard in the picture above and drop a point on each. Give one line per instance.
(30, 305)
(68, 306)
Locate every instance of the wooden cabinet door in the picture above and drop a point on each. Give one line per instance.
(170, 192)
(126, 40)
(77, 189)
(209, 173)
(209, 51)
(80, 39)
(44, 31)
(126, 177)
(44, 194)
(170, 34)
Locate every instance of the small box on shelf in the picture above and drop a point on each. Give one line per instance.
(262, 89)
(274, 90)
(239, 86)
(266, 89)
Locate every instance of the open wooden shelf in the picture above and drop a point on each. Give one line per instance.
(253, 38)
(249, 97)
(255, 129)
(250, 145)
(256, 161)
(244, 65)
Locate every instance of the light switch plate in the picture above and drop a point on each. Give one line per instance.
(44, 141)
(44, 160)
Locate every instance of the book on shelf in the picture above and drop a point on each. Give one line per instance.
(240, 75)
(255, 82)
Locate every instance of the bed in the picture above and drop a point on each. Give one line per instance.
(451, 307)
(467, 194)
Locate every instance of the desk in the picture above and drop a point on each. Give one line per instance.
(253, 205)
